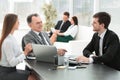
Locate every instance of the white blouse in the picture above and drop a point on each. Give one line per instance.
(72, 30)
(11, 52)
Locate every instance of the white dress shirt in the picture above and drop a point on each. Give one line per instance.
(61, 25)
(72, 30)
(101, 42)
(100, 46)
(11, 52)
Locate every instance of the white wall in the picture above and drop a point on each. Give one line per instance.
(19, 34)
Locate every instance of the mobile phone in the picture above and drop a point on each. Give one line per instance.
(79, 67)
(72, 67)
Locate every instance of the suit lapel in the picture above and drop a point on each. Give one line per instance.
(36, 37)
(104, 41)
(46, 37)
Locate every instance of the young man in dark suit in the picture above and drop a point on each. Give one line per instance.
(62, 25)
(105, 43)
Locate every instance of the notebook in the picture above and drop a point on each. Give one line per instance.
(44, 53)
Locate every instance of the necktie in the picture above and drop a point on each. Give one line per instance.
(42, 38)
(61, 25)
(98, 45)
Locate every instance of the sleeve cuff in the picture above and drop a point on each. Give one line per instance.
(91, 56)
(90, 60)
(22, 57)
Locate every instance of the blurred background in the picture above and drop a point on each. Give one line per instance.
(83, 9)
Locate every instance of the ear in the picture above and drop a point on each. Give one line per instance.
(29, 24)
(102, 25)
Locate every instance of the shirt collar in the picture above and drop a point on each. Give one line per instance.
(36, 32)
(103, 34)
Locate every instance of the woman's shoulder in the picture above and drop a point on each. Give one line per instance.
(75, 25)
(9, 39)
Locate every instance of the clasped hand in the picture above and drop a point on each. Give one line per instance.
(82, 59)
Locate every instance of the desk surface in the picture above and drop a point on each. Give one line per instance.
(92, 72)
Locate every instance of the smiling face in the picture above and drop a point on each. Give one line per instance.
(16, 25)
(72, 22)
(96, 25)
(36, 24)
(65, 17)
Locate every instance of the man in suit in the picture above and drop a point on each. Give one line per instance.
(62, 25)
(36, 35)
(105, 43)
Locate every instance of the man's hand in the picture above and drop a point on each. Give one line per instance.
(82, 59)
(61, 52)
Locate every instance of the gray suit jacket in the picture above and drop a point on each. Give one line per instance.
(32, 37)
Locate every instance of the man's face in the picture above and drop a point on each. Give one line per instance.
(36, 24)
(96, 25)
(65, 18)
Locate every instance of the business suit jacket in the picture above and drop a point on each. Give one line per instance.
(32, 37)
(111, 53)
(64, 27)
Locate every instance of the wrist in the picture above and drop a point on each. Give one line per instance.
(25, 53)
(90, 60)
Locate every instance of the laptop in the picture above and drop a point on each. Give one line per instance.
(44, 53)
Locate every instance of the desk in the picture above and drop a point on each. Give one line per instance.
(92, 72)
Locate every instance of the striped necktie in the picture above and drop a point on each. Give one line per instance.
(61, 25)
(42, 38)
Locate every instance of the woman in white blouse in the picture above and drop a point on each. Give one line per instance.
(10, 54)
(69, 34)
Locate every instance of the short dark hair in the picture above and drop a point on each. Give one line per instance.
(29, 18)
(103, 17)
(67, 14)
(75, 20)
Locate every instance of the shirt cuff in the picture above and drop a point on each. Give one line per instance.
(21, 57)
(90, 60)
(91, 56)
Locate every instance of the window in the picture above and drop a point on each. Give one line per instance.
(83, 9)
(3, 10)
(61, 6)
(113, 8)
(22, 8)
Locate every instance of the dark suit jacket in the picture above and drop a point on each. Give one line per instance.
(111, 53)
(32, 37)
(64, 27)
